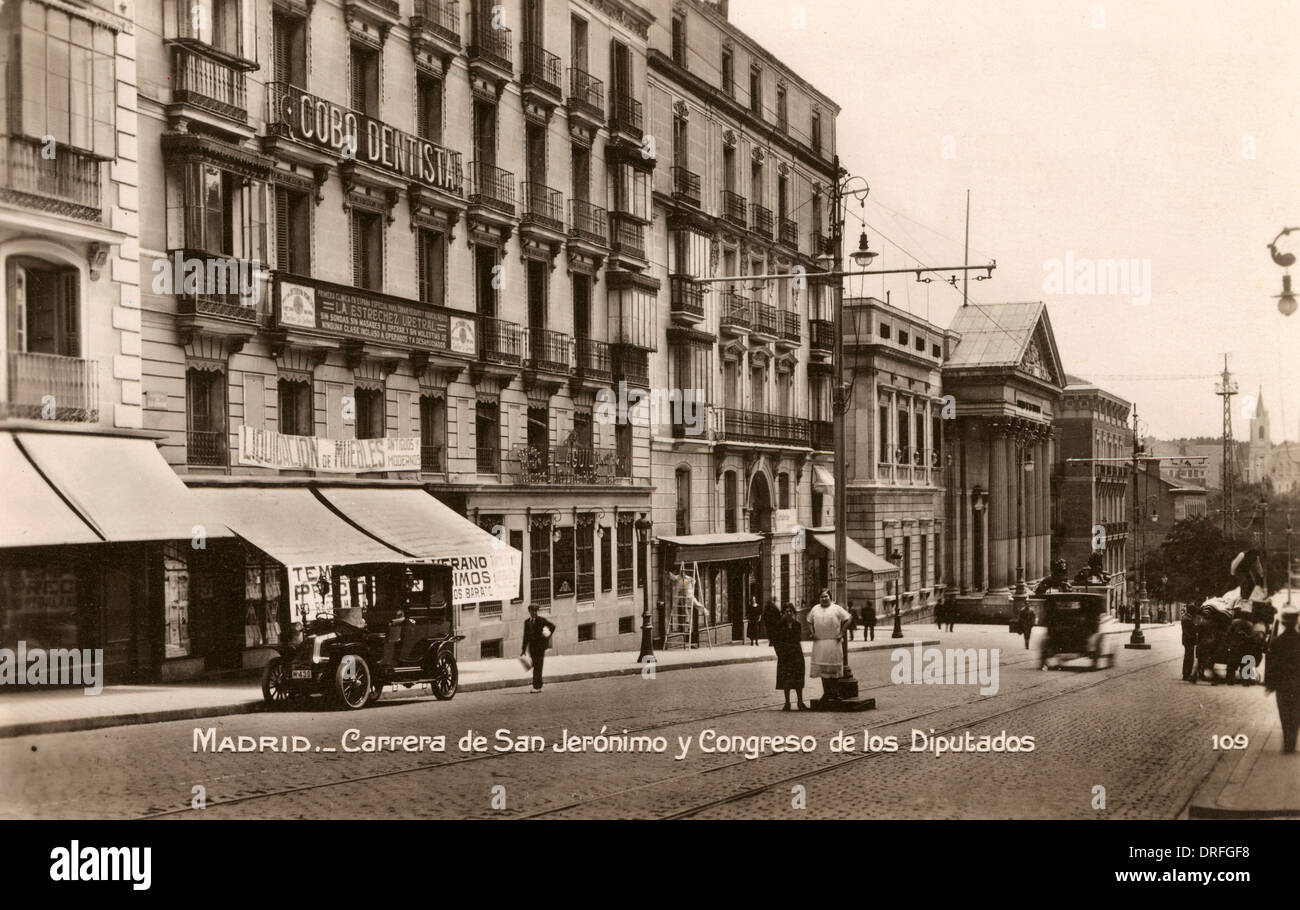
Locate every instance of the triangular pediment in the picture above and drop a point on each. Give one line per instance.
(1040, 358)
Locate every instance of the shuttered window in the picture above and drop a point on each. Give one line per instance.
(293, 231)
(367, 250)
(365, 80)
(62, 80)
(431, 263)
(295, 405)
(539, 561)
(428, 108)
(290, 46)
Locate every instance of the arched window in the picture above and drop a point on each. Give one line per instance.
(683, 500)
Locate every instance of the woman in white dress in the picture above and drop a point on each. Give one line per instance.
(828, 621)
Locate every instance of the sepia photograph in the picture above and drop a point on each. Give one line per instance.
(648, 410)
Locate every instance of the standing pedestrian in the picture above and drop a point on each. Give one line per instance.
(537, 638)
(771, 617)
(1188, 622)
(939, 616)
(753, 617)
(828, 621)
(853, 620)
(869, 620)
(786, 634)
(1283, 677)
(1026, 618)
(950, 613)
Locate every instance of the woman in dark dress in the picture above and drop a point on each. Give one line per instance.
(789, 656)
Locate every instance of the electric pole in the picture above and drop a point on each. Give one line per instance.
(1225, 389)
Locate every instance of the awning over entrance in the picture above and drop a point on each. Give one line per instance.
(857, 555)
(293, 527)
(414, 522)
(712, 547)
(31, 513)
(823, 480)
(119, 485)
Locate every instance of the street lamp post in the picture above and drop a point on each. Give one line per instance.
(1021, 594)
(1137, 641)
(895, 558)
(644, 526)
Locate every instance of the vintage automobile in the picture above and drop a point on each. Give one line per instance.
(403, 638)
(1072, 621)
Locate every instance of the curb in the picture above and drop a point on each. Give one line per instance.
(100, 722)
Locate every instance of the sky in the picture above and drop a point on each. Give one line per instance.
(1157, 140)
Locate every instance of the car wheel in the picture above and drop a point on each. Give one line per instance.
(446, 677)
(353, 682)
(275, 684)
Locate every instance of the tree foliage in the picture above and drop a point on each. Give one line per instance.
(1197, 558)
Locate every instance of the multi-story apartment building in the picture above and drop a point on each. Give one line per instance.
(441, 209)
(92, 518)
(746, 163)
(1091, 499)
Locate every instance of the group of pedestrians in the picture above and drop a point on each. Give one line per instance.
(829, 623)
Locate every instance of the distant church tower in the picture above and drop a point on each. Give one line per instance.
(1258, 449)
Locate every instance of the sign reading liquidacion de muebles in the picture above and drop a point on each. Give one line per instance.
(271, 449)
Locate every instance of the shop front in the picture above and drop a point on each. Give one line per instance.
(872, 580)
(707, 582)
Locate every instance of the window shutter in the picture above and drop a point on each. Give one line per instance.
(69, 322)
(282, 243)
(358, 253)
(283, 38)
(358, 82)
(422, 265)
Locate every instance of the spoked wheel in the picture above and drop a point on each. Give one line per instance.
(275, 683)
(446, 677)
(353, 682)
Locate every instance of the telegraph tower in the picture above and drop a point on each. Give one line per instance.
(1225, 388)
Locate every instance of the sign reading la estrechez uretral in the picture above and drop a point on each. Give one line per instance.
(355, 135)
(271, 449)
(356, 314)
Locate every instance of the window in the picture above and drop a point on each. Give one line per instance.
(884, 330)
(431, 262)
(490, 609)
(215, 23)
(756, 194)
(517, 542)
(367, 250)
(50, 321)
(433, 432)
(607, 559)
(783, 490)
(935, 438)
(428, 108)
(290, 40)
(581, 285)
(902, 339)
(625, 531)
(782, 110)
(587, 631)
(370, 413)
(295, 407)
(581, 173)
(218, 212)
(884, 434)
(623, 448)
(485, 132)
(205, 415)
(365, 80)
(539, 561)
(817, 503)
(679, 39)
(729, 170)
(907, 563)
(728, 73)
(935, 351)
(903, 437)
(536, 276)
(626, 625)
(782, 193)
(63, 80)
(489, 650)
(681, 143)
(683, 501)
(539, 438)
(485, 292)
(756, 90)
(816, 131)
(729, 502)
(293, 231)
(535, 153)
(785, 577)
(925, 552)
(920, 436)
(586, 553)
(578, 42)
(938, 559)
(562, 562)
(581, 438)
(487, 422)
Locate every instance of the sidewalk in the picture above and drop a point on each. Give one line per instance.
(25, 713)
(1261, 782)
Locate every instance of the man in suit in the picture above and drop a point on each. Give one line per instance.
(1188, 622)
(537, 638)
(1283, 677)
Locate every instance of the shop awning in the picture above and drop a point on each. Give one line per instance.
(712, 547)
(414, 522)
(293, 527)
(823, 480)
(31, 512)
(857, 555)
(120, 485)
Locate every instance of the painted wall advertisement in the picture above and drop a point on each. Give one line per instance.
(367, 316)
(484, 577)
(272, 449)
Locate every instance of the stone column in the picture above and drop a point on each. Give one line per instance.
(963, 523)
(1002, 505)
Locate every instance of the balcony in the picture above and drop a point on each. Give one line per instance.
(687, 299)
(487, 458)
(542, 73)
(67, 184)
(489, 49)
(209, 84)
(586, 97)
(762, 427)
(492, 188)
(435, 24)
(593, 361)
(821, 335)
(627, 236)
(37, 382)
(631, 365)
(764, 322)
(564, 464)
(206, 448)
(760, 221)
(789, 236)
(821, 244)
(543, 207)
(625, 116)
(789, 329)
(737, 313)
(822, 434)
(686, 186)
(587, 223)
(734, 208)
(502, 342)
(548, 351)
(431, 459)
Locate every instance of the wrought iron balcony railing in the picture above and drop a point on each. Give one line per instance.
(541, 68)
(631, 364)
(208, 83)
(586, 93)
(431, 459)
(593, 360)
(548, 350)
(760, 426)
(760, 220)
(487, 457)
(206, 448)
(564, 464)
(492, 187)
(790, 327)
(42, 386)
(789, 233)
(733, 208)
(687, 295)
(764, 319)
(441, 17)
(737, 311)
(490, 43)
(502, 341)
(821, 244)
(587, 222)
(67, 184)
(627, 235)
(686, 186)
(625, 114)
(821, 334)
(823, 435)
(543, 206)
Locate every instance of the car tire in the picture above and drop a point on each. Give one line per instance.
(275, 684)
(353, 682)
(445, 678)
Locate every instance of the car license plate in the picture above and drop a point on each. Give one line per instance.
(302, 674)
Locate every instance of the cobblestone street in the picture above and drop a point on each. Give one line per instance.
(1137, 730)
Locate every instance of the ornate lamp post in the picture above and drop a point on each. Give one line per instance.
(895, 558)
(644, 528)
(1286, 303)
